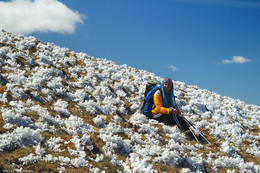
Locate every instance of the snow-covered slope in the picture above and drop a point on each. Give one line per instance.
(66, 111)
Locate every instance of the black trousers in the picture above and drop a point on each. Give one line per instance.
(169, 120)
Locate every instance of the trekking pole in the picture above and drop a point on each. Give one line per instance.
(179, 125)
(192, 125)
(177, 121)
(193, 133)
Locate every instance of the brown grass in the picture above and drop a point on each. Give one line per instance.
(2, 89)
(81, 62)
(8, 158)
(2, 123)
(161, 168)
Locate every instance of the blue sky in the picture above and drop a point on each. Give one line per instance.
(214, 44)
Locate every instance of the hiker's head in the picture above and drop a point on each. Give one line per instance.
(167, 84)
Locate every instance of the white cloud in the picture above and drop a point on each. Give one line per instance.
(235, 60)
(27, 16)
(173, 68)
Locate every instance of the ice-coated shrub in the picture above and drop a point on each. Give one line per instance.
(80, 95)
(44, 115)
(116, 144)
(61, 107)
(120, 93)
(10, 116)
(53, 143)
(90, 106)
(138, 119)
(75, 125)
(82, 143)
(26, 43)
(40, 79)
(122, 109)
(100, 120)
(135, 107)
(140, 165)
(169, 158)
(30, 159)
(20, 137)
(254, 149)
(79, 162)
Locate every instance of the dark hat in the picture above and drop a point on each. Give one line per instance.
(167, 80)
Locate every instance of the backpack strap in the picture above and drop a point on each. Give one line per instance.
(149, 99)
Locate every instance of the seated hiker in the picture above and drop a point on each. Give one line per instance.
(164, 108)
(159, 104)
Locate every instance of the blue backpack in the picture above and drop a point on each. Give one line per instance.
(150, 89)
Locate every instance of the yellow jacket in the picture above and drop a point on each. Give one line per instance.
(158, 104)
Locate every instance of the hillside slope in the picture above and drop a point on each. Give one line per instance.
(69, 112)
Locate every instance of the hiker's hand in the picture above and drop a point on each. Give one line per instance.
(171, 110)
(176, 112)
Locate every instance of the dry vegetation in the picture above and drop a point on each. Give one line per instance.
(11, 157)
